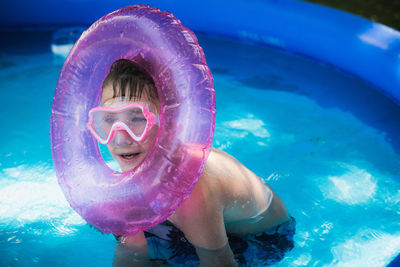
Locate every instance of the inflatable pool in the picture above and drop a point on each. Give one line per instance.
(351, 44)
(364, 48)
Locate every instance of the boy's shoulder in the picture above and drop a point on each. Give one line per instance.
(230, 178)
(224, 183)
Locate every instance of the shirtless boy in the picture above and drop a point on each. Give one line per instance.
(230, 216)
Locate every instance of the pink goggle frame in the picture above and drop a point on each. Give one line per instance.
(104, 135)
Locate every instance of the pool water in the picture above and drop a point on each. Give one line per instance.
(327, 142)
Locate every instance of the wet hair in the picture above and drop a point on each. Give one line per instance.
(130, 80)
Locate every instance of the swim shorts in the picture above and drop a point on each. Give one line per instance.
(168, 244)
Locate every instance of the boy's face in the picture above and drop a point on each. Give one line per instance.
(123, 148)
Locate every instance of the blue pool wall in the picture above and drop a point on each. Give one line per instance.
(358, 46)
(355, 45)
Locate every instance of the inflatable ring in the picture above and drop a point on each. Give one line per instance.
(128, 202)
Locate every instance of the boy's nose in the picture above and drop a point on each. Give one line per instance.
(122, 138)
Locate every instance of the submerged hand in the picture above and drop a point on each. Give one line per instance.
(132, 251)
(216, 257)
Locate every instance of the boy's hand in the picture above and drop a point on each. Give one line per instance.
(136, 244)
(132, 251)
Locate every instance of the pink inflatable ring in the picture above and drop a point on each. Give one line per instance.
(125, 203)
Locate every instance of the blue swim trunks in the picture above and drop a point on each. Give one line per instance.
(168, 244)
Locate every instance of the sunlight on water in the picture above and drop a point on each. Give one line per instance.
(248, 125)
(367, 248)
(38, 227)
(353, 187)
(31, 194)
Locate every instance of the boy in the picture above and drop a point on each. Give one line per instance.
(231, 213)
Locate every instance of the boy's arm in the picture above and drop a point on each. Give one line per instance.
(206, 231)
(200, 218)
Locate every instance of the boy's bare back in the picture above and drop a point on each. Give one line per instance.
(228, 199)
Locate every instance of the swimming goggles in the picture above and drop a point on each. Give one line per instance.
(134, 118)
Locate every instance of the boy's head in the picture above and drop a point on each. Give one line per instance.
(128, 83)
(128, 80)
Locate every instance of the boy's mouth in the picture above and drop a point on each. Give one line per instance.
(129, 156)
